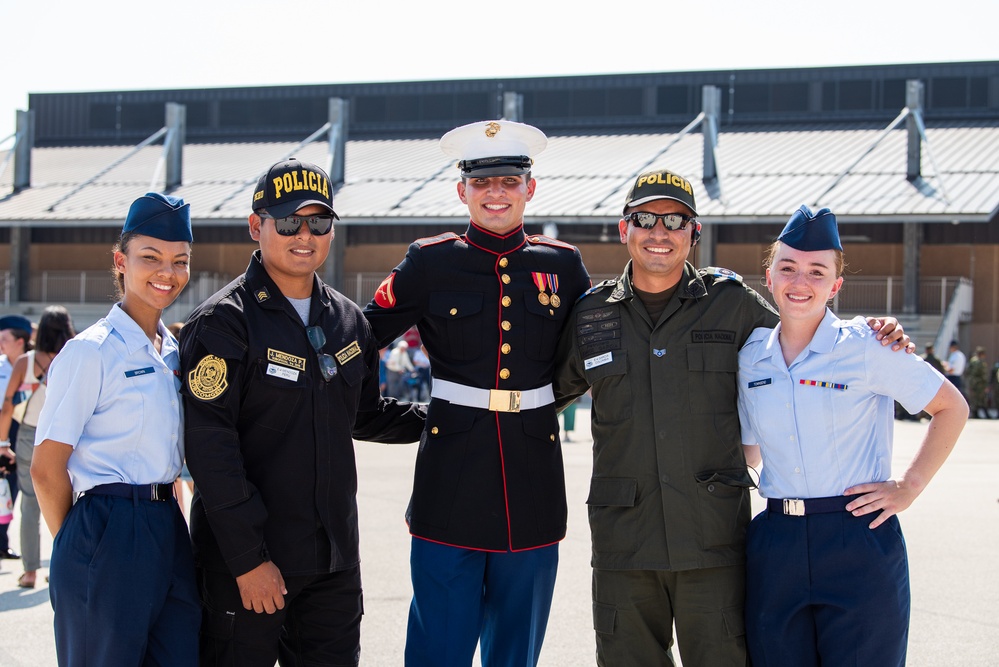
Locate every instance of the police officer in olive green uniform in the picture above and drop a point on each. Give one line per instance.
(669, 496)
(668, 501)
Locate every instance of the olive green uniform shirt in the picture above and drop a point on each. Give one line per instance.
(670, 487)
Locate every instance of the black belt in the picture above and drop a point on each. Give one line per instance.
(805, 506)
(159, 492)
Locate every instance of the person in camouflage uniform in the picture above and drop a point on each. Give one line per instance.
(977, 377)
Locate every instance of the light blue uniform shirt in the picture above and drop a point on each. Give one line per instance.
(826, 423)
(115, 400)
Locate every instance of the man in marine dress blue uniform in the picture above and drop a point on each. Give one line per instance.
(488, 506)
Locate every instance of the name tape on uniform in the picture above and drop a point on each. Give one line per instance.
(348, 353)
(282, 372)
(598, 360)
(285, 359)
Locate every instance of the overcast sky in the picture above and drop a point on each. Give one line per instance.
(65, 45)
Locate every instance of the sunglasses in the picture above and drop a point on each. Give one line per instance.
(327, 365)
(319, 225)
(671, 221)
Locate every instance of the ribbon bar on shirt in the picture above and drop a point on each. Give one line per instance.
(497, 400)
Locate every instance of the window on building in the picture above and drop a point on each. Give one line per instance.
(752, 98)
(856, 95)
(893, 94)
(402, 108)
(625, 101)
(673, 100)
(103, 116)
(948, 92)
(787, 97)
(547, 103)
(144, 116)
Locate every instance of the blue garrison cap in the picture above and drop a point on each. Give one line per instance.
(15, 322)
(810, 231)
(160, 216)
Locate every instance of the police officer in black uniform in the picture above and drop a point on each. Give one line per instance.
(280, 371)
(488, 506)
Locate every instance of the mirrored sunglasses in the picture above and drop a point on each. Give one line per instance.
(319, 225)
(671, 221)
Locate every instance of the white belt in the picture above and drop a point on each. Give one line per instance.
(498, 400)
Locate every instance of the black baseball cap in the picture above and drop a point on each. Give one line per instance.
(290, 185)
(660, 184)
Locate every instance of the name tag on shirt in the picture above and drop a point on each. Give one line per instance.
(139, 371)
(760, 383)
(282, 372)
(599, 360)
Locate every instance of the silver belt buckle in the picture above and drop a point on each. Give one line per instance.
(794, 506)
(504, 401)
(154, 492)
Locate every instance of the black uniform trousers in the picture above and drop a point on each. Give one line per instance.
(319, 625)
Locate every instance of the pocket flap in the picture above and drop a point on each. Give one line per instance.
(455, 305)
(737, 477)
(613, 492)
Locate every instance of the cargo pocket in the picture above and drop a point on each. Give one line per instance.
(735, 623)
(724, 508)
(604, 618)
(612, 512)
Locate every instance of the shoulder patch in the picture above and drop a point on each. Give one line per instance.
(549, 241)
(599, 286)
(385, 295)
(434, 240)
(207, 381)
(719, 274)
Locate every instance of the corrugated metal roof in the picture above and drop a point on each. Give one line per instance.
(764, 174)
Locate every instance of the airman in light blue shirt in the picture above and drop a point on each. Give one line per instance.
(824, 583)
(827, 421)
(108, 448)
(126, 421)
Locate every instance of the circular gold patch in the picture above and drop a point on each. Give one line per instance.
(207, 381)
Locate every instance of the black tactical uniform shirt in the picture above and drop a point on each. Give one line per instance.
(670, 488)
(268, 439)
(489, 310)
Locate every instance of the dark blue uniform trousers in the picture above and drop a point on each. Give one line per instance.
(122, 585)
(825, 589)
(462, 597)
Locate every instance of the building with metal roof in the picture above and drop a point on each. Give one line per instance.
(907, 156)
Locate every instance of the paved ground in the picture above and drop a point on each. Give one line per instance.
(952, 533)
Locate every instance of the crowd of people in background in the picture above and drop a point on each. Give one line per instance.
(404, 369)
(974, 377)
(24, 396)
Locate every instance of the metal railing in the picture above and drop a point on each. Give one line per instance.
(93, 287)
(882, 294)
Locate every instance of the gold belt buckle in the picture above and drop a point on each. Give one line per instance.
(794, 506)
(504, 401)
